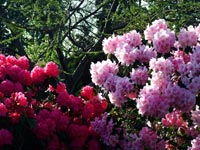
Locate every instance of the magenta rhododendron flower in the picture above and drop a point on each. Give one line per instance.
(51, 69)
(6, 137)
(3, 110)
(37, 75)
(23, 62)
(87, 92)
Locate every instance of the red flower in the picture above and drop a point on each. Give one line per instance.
(87, 92)
(15, 116)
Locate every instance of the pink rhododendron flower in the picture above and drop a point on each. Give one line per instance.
(3, 110)
(25, 77)
(37, 75)
(87, 92)
(6, 137)
(7, 87)
(102, 70)
(110, 44)
(195, 116)
(51, 69)
(195, 144)
(156, 26)
(132, 38)
(174, 119)
(163, 41)
(187, 37)
(63, 99)
(126, 54)
(23, 62)
(93, 144)
(139, 76)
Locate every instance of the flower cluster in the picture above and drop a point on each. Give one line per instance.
(37, 112)
(160, 79)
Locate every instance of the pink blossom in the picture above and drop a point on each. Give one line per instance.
(156, 26)
(139, 76)
(13, 72)
(6, 137)
(132, 38)
(145, 53)
(110, 44)
(102, 70)
(7, 87)
(149, 139)
(18, 87)
(63, 99)
(195, 144)
(60, 87)
(93, 144)
(195, 116)
(152, 103)
(126, 54)
(103, 128)
(3, 110)
(54, 143)
(88, 111)
(11, 60)
(23, 62)
(187, 37)
(2, 71)
(163, 41)
(51, 69)
(161, 64)
(25, 77)
(123, 87)
(37, 75)
(174, 119)
(20, 99)
(87, 92)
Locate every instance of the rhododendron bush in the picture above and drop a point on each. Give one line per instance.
(37, 112)
(146, 97)
(153, 84)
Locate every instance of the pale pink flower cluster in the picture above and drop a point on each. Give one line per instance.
(156, 26)
(195, 116)
(149, 138)
(102, 70)
(152, 103)
(187, 37)
(174, 119)
(161, 64)
(123, 87)
(105, 129)
(132, 39)
(163, 40)
(139, 76)
(145, 53)
(110, 44)
(162, 93)
(104, 74)
(126, 54)
(195, 144)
